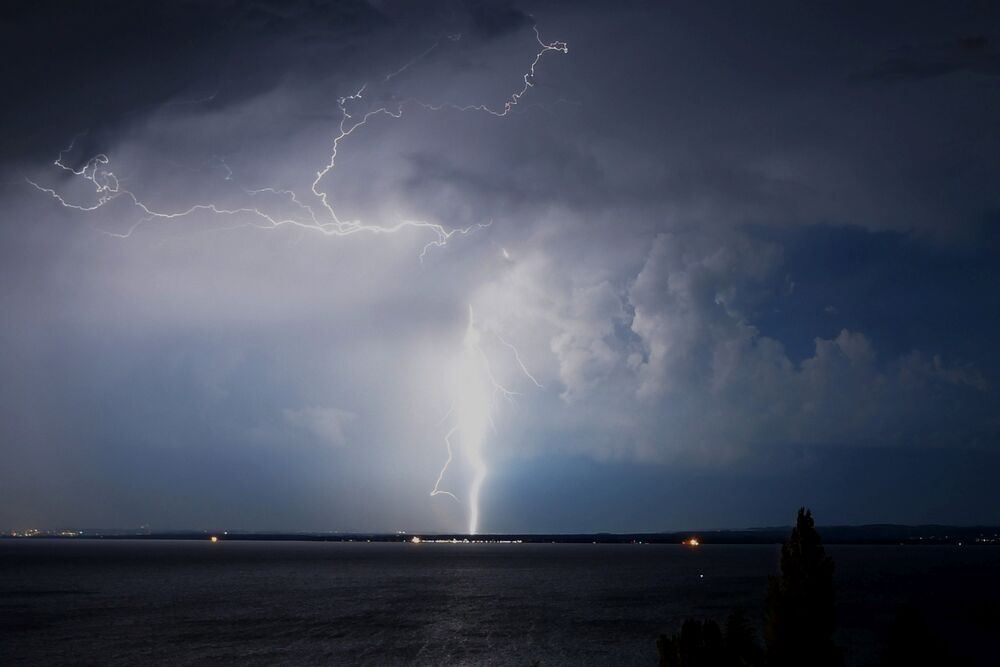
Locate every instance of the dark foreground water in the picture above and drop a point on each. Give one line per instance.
(142, 602)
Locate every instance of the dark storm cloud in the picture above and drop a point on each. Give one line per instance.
(103, 65)
(973, 54)
(492, 21)
(735, 244)
(93, 66)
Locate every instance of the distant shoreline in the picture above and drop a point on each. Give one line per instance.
(883, 534)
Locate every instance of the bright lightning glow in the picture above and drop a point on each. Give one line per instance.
(476, 391)
(107, 186)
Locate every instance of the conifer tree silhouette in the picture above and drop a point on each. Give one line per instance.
(799, 620)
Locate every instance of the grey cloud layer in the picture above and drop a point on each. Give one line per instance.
(642, 202)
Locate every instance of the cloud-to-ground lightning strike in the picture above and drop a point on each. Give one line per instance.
(108, 188)
(476, 391)
(476, 387)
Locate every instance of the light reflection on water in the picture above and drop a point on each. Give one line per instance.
(300, 602)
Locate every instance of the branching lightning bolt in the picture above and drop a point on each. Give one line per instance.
(517, 358)
(437, 491)
(472, 411)
(108, 188)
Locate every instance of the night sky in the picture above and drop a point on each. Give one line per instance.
(727, 259)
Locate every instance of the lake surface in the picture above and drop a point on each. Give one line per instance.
(190, 602)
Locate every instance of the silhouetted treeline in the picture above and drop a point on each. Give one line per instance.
(704, 644)
(799, 621)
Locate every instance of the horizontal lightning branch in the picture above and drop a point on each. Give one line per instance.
(108, 188)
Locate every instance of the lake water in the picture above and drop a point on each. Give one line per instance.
(188, 602)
